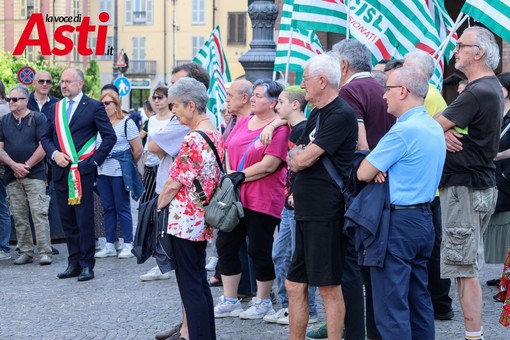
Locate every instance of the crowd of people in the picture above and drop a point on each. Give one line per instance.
(381, 239)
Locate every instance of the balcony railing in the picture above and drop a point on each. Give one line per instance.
(139, 17)
(142, 67)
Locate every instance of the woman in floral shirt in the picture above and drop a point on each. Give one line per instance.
(187, 230)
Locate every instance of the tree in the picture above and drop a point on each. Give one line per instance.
(10, 65)
(92, 84)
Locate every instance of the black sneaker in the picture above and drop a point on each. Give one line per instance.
(494, 282)
(444, 316)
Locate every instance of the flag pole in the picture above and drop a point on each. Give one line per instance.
(442, 47)
(218, 111)
(348, 21)
(287, 63)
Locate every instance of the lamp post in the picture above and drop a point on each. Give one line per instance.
(115, 73)
(258, 62)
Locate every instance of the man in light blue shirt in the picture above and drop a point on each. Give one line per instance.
(411, 156)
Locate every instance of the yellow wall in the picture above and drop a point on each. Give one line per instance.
(155, 35)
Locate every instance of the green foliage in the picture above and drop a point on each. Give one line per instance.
(9, 66)
(92, 86)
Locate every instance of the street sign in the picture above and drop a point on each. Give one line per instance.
(140, 83)
(120, 60)
(124, 86)
(26, 75)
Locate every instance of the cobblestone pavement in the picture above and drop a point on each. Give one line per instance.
(35, 304)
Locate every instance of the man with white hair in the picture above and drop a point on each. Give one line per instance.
(434, 103)
(414, 169)
(468, 187)
(325, 148)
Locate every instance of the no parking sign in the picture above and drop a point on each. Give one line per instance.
(26, 75)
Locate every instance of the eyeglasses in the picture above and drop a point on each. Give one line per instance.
(108, 102)
(14, 99)
(67, 82)
(157, 97)
(305, 79)
(388, 87)
(459, 46)
(47, 81)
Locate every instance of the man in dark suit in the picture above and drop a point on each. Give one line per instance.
(70, 143)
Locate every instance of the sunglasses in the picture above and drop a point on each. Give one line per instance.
(14, 99)
(47, 81)
(157, 97)
(108, 102)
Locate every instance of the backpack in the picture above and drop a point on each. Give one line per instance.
(224, 210)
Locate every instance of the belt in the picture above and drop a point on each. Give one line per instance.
(413, 206)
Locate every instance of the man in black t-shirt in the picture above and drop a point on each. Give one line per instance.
(472, 124)
(331, 132)
(290, 108)
(25, 175)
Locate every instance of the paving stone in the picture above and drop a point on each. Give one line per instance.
(117, 305)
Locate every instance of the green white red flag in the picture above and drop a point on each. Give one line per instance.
(389, 28)
(319, 15)
(494, 14)
(212, 57)
(295, 46)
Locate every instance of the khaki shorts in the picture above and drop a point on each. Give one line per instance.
(465, 215)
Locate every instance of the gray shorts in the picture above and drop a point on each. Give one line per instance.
(465, 215)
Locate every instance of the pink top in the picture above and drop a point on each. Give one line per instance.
(265, 195)
(186, 215)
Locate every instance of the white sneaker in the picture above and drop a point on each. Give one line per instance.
(211, 264)
(225, 309)
(100, 243)
(126, 253)
(154, 274)
(4, 255)
(108, 250)
(119, 244)
(258, 310)
(284, 320)
(276, 316)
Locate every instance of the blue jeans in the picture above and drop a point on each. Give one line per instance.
(402, 304)
(283, 248)
(5, 220)
(116, 204)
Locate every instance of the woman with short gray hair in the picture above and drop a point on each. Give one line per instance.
(187, 232)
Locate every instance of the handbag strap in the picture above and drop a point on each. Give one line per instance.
(213, 147)
(243, 159)
(330, 168)
(196, 182)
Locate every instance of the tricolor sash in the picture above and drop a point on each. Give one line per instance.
(66, 143)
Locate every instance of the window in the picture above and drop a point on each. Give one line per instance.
(236, 28)
(106, 6)
(23, 8)
(109, 42)
(29, 53)
(139, 12)
(196, 45)
(198, 12)
(138, 48)
(76, 55)
(77, 10)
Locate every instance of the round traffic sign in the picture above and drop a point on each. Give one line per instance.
(26, 75)
(124, 86)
